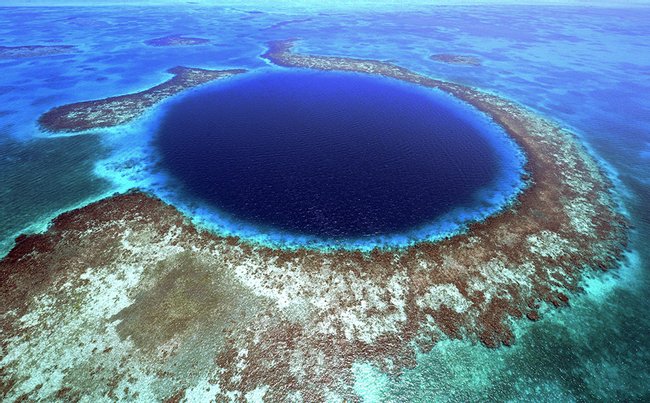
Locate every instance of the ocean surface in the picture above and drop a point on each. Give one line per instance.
(335, 156)
(586, 68)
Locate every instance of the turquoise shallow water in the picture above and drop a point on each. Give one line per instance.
(587, 68)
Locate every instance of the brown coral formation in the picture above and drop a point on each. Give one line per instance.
(176, 40)
(456, 59)
(121, 109)
(124, 298)
(20, 52)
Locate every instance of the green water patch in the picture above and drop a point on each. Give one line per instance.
(43, 177)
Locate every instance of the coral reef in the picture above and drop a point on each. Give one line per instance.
(287, 22)
(127, 299)
(456, 59)
(176, 40)
(19, 52)
(121, 109)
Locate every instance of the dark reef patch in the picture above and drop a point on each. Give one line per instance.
(44, 100)
(176, 40)
(456, 59)
(20, 52)
(287, 22)
(5, 89)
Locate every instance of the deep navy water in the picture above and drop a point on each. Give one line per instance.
(326, 154)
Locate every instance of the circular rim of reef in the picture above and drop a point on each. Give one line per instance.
(456, 221)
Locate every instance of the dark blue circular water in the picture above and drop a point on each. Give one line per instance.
(325, 154)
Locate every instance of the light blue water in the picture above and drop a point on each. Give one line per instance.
(587, 68)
